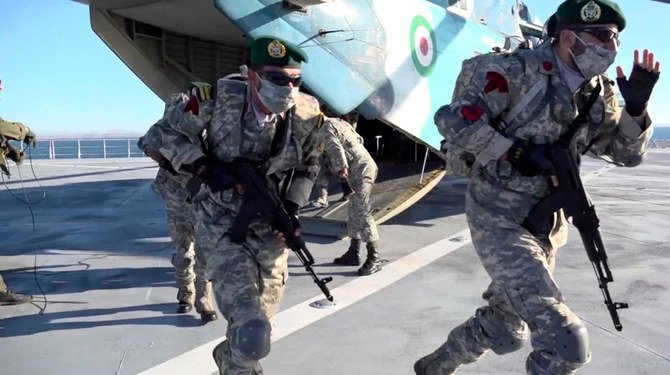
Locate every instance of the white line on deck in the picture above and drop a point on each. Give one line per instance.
(199, 360)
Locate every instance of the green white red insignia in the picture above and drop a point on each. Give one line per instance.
(422, 44)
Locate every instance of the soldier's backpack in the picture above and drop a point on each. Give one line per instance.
(459, 161)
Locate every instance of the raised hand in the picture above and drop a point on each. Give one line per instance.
(637, 89)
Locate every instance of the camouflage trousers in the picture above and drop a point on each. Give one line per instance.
(522, 296)
(188, 261)
(323, 178)
(248, 281)
(361, 225)
(322, 182)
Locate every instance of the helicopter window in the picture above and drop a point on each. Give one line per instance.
(463, 4)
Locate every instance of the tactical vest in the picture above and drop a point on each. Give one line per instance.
(534, 99)
(224, 136)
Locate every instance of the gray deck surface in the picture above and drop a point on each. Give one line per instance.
(102, 258)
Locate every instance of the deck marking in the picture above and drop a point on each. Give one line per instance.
(199, 360)
(596, 173)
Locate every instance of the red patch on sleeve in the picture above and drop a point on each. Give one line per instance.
(192, 105)
(547, 65)
(472, 113)
(495, 81)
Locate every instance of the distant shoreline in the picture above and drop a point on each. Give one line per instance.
(88, 136)
(660, 131)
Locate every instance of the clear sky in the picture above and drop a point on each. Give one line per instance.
(61, 79)
(647, 26)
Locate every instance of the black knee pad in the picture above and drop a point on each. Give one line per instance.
(573, 344)
(504, 344)
(497, 327)
(634, 160)
(253, 339)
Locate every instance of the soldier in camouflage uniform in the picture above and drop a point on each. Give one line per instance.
(194, 287)
(265, 120)
(510, 175)
(18, 132)
(325, 171)
(349, 158)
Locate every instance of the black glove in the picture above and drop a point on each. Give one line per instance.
(636, 90)
(346, 187)
(530, 160)
(14, 154)
(212, 173)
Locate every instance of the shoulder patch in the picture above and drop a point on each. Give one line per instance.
(495, 81)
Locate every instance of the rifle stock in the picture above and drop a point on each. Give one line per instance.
(571, 196)
(346, 187)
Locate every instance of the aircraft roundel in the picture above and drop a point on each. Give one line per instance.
(422, 44)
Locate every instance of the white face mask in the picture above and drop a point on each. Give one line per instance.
(277, 99)
(595, 59)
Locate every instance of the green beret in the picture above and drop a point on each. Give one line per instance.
(268, 50)
(589, 12)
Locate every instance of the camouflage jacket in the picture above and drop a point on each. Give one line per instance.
(13, 130)
(226, 129)
(500, 84)
(167, 183)
(344, 146)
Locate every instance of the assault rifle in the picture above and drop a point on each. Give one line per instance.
(346, 187)
(260, 198)
(571, 196)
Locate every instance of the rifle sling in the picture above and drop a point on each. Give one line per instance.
(564, 141)
(582, 116)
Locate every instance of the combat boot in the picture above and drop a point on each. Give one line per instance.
(219, 352)
(186, 297)
(222, 351)
(203, 302)
(7, 297)
(372, 263)
(438, 362)
(351, 257)
(323, 199)
(425, 366)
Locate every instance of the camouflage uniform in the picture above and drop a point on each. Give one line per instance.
(523, 294)
(18, 132)
(345, 149)
(323, 181)
(248, 278)
(13, 131)
(188, 261)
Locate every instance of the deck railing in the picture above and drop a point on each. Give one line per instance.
(84, 148)
(87, 148)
